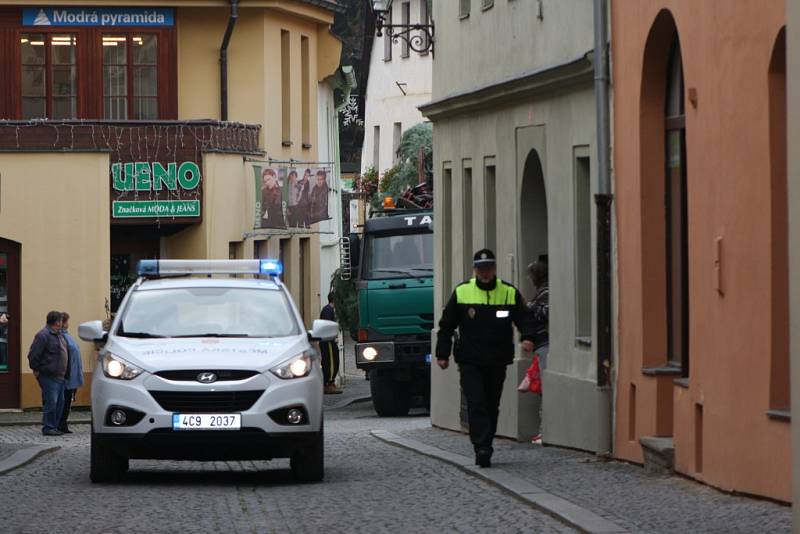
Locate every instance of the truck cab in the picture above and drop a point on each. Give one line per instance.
(395, 309)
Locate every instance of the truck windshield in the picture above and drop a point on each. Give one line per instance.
(399, 256)
(208, 312)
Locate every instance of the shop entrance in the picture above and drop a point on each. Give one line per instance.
(129, 244)
(9, 324)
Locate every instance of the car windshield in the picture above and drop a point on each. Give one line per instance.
(399, 256)
(208, 312)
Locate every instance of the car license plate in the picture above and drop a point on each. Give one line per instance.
(202, 421)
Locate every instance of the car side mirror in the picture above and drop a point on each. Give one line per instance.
(92, 331)
(323, 330)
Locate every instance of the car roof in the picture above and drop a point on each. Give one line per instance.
(180, 282)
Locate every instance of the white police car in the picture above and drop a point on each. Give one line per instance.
(207, 368)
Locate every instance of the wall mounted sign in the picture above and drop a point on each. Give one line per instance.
(94, 16)
(158, 190)
(290, 197)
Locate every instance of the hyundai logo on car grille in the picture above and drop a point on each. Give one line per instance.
(206, 378)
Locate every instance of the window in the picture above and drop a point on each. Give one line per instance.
(490, 204)
(286, 89)
(397, 135)
(676, 213)
(583, 246)
(306, 91)
(398, 256)
(466, 204)
(130, 76)
(423, 19)
(387, 41)
(463, 8)
(376, 148)
(49, 77)
(405, 16)
(487, 4)
(447, 231)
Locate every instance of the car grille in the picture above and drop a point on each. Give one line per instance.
(206, 401)
(191, 375)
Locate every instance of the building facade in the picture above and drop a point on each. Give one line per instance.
(121, 140)
(399, 82)
(700, 157)
(514, 160)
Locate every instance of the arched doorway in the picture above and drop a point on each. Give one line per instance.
(9, 323)
(533, 219)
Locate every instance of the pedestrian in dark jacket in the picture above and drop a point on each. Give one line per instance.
(484, 310)
(539, 307)
(75, 379)
(329, 350)
(48, 358)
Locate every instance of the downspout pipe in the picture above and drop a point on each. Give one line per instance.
(223, 60)
(603, 202)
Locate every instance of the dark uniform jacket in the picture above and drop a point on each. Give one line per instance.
(484, 320)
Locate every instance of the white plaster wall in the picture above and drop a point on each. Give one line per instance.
(385, 102)
(328, 150)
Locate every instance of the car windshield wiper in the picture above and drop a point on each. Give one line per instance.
(139, 334)
(213, 335)
(398, 271)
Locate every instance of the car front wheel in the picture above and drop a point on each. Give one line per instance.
(105, 464)
(308, 463)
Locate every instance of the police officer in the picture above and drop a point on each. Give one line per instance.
(483, 309)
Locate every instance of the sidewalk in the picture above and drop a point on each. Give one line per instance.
(600, 496)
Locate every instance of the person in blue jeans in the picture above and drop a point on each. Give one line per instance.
(48, 358)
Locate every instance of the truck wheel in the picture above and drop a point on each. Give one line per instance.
(389, 397)
(308, 464)
(105, 464)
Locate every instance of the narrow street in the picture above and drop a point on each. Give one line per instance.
(369, 486)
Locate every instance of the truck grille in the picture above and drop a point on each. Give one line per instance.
(191, 375)
(206, 401)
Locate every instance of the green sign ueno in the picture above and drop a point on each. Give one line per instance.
(145, 176)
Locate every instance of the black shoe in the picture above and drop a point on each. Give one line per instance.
(52, 432)
(483, 458)
(65, 430)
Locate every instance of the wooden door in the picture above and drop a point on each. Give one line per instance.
(9, 324)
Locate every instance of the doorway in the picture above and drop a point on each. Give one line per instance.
(9, 323)
(533, 219)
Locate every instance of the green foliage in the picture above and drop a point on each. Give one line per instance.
(345, 299)
(416, 142)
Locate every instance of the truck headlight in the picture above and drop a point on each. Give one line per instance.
(297, 367)
(369, 353)
(116, 367)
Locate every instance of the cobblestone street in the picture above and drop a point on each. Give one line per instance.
(369, 487)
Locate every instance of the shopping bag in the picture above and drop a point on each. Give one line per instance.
(533, 374)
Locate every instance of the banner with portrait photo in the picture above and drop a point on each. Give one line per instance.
(291, 196)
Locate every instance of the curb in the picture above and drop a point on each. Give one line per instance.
(39, 423)
(348, 402)
(25, 456)
(561, 509)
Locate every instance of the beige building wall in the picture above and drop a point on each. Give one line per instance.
(57, 208)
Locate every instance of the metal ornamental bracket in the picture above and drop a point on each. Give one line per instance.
(420, 43)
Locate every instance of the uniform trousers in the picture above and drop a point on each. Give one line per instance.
(483, 386)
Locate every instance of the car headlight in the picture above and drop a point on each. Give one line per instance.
(297, 367)
(116, 367)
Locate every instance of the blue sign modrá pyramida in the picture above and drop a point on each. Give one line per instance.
(98, 16)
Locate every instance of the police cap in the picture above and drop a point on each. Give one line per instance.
(483, 257)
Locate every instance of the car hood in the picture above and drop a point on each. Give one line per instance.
(155, 355)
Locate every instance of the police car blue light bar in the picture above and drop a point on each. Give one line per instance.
(183, 267)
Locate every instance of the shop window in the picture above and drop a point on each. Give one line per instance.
(130, 77)
(49, 80)
(677, 267)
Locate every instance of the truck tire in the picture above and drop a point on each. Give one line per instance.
(105, 465)
(308, 463)
(389, 397)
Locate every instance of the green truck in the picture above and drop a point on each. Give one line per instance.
(395, 308)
